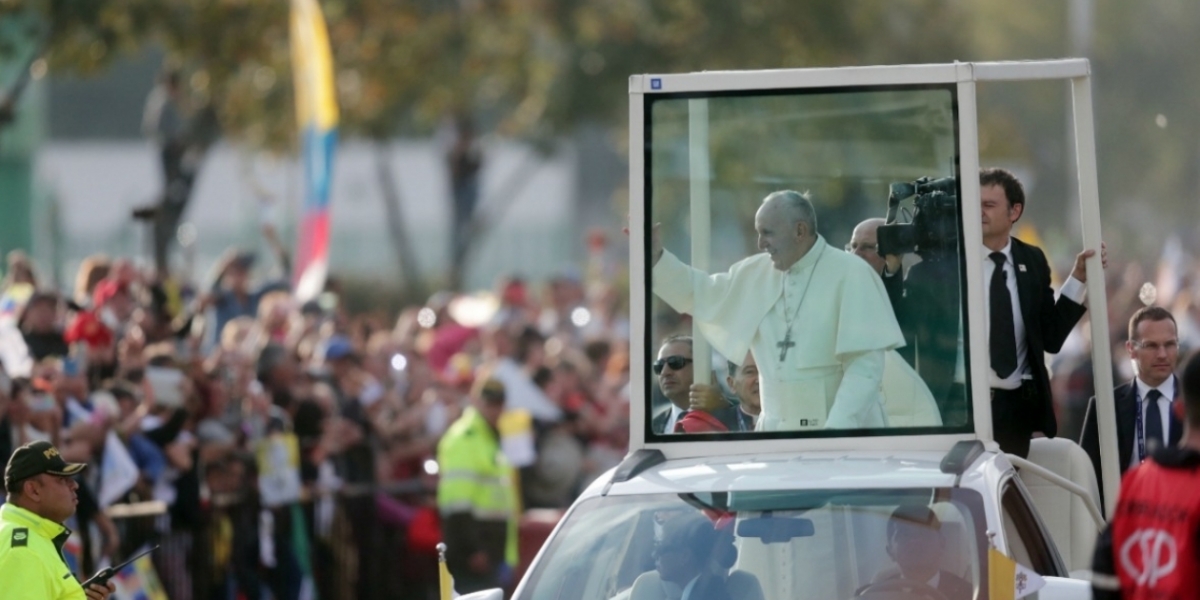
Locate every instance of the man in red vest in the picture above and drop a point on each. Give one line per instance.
(1151, 549)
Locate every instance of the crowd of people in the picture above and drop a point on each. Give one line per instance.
(293, 444)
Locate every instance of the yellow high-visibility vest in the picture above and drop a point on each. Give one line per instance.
(31, 562)
(475, 477)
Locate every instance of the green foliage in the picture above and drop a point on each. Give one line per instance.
(529, 68)
(537, 68)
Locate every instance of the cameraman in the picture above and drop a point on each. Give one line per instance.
(1028, 323)
(930, 314)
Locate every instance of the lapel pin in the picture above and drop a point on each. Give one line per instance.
(1021, 268)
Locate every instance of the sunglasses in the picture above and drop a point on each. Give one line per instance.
(676, 363)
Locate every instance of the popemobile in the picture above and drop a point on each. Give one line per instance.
(856, 458)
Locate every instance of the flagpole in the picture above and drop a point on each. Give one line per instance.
(445, 582)
(701, 222)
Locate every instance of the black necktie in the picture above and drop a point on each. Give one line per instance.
(1154, 432)
(1003, 342)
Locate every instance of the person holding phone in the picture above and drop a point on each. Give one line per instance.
(41, 490)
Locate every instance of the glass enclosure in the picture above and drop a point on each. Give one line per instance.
(807, 242)
(768, 545)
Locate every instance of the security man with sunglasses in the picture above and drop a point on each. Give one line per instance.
(675, 380)
(41, 497)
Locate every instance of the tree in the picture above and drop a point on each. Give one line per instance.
(529, 69)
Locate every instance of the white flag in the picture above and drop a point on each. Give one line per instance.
(1026, 582)
(1008, 579)
(119, 473)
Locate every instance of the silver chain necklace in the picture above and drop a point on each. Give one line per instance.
(787, 342)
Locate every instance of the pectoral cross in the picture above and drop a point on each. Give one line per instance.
(785, 345)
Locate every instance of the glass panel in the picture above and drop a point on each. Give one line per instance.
(767, 545)
(1028, 544)
(776, 261)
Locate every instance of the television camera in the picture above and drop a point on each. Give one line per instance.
(932, 232)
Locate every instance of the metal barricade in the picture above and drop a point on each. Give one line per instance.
(351, 543)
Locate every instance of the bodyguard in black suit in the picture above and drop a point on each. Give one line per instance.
(1145, 415)
(675, 377)
(1025, 320)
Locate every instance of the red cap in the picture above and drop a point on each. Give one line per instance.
(85, 327)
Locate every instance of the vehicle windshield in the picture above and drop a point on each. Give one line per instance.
(804, 259)
(769, 545)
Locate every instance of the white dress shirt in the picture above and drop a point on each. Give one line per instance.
(672, 419)
(1071, 288)
(1167, 389)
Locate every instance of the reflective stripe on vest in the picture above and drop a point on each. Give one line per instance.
(473, 473)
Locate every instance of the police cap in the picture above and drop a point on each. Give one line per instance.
(36, 458)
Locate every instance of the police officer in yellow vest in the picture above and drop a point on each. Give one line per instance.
(477, 495)
(41, 496)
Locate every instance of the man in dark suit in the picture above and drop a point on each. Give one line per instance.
(1145, 415)
(1025, 320)
(915, 543)
(928, 310)
(675, 379)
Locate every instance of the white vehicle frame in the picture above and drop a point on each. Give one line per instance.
(1076, 72)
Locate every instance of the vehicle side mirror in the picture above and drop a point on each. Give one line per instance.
(771, 529)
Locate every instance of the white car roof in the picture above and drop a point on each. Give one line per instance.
(809, 470)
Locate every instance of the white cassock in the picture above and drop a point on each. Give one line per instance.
(843, 325)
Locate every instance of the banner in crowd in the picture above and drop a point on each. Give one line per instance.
(278, 458)
(13, 353)
(317, 119)
(139, 581)
(119, 473)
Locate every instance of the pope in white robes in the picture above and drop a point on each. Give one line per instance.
(816, 318)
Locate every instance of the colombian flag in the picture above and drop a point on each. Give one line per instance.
(317, 119)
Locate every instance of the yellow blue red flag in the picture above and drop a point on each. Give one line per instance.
(317, 119)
